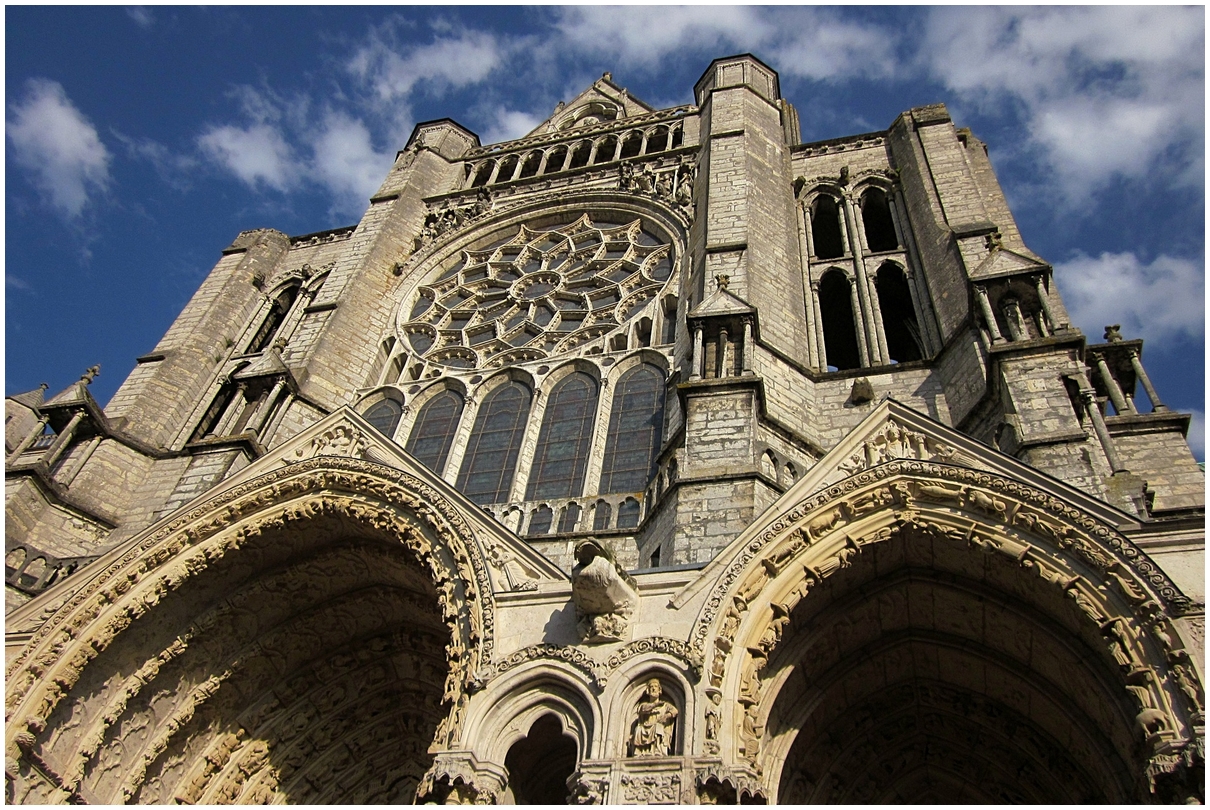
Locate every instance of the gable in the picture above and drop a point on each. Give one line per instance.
(601, 101)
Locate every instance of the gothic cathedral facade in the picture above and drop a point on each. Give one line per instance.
(654, 457)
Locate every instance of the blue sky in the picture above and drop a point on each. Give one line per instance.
(140, 141)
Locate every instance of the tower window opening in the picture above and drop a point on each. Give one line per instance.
(839, 326)
(657, 141)
(825, 228)
(508, 167)
(555, 158)
(876, 216)
(273, 321)
(898, 315)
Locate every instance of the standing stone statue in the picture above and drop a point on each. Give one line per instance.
(653, 731)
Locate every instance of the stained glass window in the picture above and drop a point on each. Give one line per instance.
(433, 434)
(634, 431)
(491, 455)
(561, 457)
(540, 522)
(385, 416)
(628, 514)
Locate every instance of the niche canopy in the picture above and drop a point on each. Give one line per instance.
(536, 292)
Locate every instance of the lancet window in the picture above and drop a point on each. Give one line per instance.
(385, 416)
(839, 325)
(903, 338)
(491, 454)
(561, 458)
(433, 434)
(635, 424)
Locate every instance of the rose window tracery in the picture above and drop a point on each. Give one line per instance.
(536, 293)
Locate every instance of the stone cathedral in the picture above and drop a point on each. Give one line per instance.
(654, 457)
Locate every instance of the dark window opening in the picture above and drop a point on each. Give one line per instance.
(605, 149)
(380, 360)
(580, 156)
(655, 558)
(669, 320)
(555, 158)
(433, 434)
(879, 227)
(385, 417)
(561, 457)
(530, 167)
(508, 167)
(643, 332)
(839, 326)
(825, 228)
(678, 137)
(632, 145)
(601, 516)
(657, 141)
(273, 321)
(898, 314)
(491, 454)
(483, 174)
(217, 408)
(540, 765)
(628, 514)
(635, 425)
(569, 518)
(541, 520)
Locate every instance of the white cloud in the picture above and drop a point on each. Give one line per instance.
(1104, 91)
(346, 163)
(507, 125)
(643, 36)
(256, 154)
(142, 16)
(1197, 433)
(55, 142)
(1157, 301)
(446, 62)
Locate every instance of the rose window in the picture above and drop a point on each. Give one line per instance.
(536, 293)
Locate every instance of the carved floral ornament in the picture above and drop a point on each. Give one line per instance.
(1107, 578)
(392, 502)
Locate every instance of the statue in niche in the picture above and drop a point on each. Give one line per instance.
(653, 731)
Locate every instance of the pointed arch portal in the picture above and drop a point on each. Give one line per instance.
(307, 636)
(925, 633)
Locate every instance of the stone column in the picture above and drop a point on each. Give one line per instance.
(233, 409)
(746, 349)
(1115, 390)
(879, 328)
(256, 422)
(917, 308)
(60, 443)
(1098, 422)
(1012, 319)
(1137, 364)
(804, 264)
(28, 441)
(986, 308)
(695, 372)
(723, 359)
(1044, 302)
(819, 341)
(861, 308)
(854, 298)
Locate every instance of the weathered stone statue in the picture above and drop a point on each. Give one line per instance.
(653, 731)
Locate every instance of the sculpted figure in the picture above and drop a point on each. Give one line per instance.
(653, 731)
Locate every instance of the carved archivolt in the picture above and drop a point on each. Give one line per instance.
(1107, 578)
(393, 503)
(597, 672)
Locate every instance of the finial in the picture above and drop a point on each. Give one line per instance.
(722, 281)
(91, 374)
(1113, 333)
(844, 175)
(995, 241)
(607, 76)
(43, 386)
